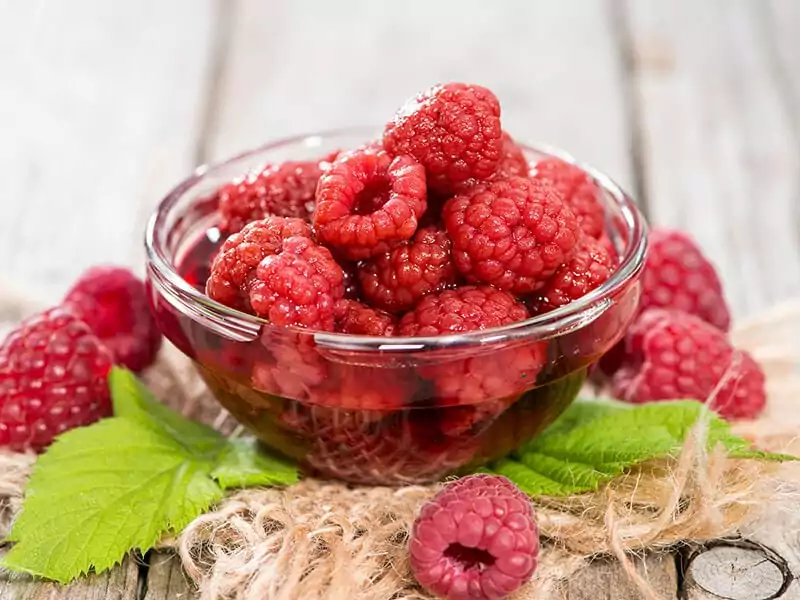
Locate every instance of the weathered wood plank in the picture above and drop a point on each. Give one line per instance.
(121, 583)
(606, 579)
(554, 66)
(782, 22)
(100, 111)
(166, 579)
(719, 155)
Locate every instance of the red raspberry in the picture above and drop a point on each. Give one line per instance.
(453, 130)
(234, 266)
(578, 190)
(675, 355)
(358, 319)
(53, 372)
(113, 302)
(512, 161)
(395, 281)
(297, 369)
(358, 387)
(472, 419)
(474, 377)
(590, 266)
(512, 233)
(355, 446)
(299, 286)
(476, 539)
(467, 308)
(284, 190)
(678, 276)
(367, 202)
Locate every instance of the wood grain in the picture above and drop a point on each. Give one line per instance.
(121, 583)
(295, 67)
(605, 579)
(166, 579)
(720, 159)
(100, 118)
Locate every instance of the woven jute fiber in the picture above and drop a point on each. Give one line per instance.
(318, 539)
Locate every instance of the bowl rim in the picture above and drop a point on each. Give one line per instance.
(576, 314)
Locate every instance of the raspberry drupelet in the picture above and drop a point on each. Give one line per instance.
(284, 190)
(513, 233)
(453, 130)
(476, 539)
(396, 280)
(235, 264)
(368, 202)
(578, 190)
(359, 319)
(53, 378)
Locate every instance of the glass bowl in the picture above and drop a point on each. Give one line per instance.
(380, 410)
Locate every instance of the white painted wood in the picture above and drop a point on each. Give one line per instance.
(99, 110)
(720, 157)
(781, 25)
(306, 65)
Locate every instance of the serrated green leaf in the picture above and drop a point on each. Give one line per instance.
(595, 441)
(100, 491)
(132, 400)
(243, 464)
(121, 483)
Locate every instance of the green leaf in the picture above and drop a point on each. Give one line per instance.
(595, 441)
(122, 483)
(132, 400)
(102, 490)
(241, 464)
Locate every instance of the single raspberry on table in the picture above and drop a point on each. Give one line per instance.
(299, 286)
(453, 130)
(589, 267)
(367, 202)
(512, 233)
(474, 377)
(234, 266)
(578, 190)
(53, 377)
(113, 302)
(678, 276)
(674, 355)
(396, 280)
(283, 190)
(477, 539)
(358, 319)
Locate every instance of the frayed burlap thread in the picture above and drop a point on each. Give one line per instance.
(320, 540)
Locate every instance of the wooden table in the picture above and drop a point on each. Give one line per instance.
(693, 105)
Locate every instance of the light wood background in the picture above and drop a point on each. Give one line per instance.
(692, 105)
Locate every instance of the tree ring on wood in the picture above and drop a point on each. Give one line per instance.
(737, 569)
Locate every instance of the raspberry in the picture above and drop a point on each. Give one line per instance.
(476, 539)
(474, 378)
(578, 190)
(297, 368)
(284, 190)
(589, 267)
(678, 276)
(512, 161)
(367, 202)
(113, 302)
(53, 373)
(234, 266)
(299, 286)
(357, 319)
(512, 233)
(677, 355)
(358, 387)
(467, 308)
(356, 446)
(453, 130)
(395, 281)
(472, 419)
